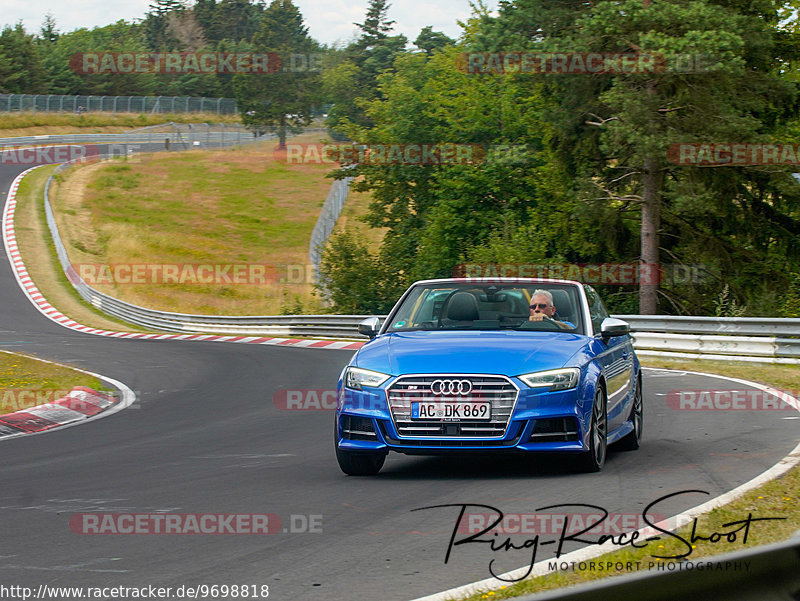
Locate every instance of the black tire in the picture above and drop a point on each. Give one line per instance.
(594, 459)
(633, 441)
(357, 463)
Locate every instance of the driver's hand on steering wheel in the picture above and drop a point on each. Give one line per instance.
(539, 317)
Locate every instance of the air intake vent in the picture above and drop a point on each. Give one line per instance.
(358, 428)
(555, 429)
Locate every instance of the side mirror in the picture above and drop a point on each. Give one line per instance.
(369, 327)
(614, 327)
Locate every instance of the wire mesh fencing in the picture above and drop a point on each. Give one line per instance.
(115, 104)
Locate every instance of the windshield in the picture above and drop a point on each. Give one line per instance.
(469, 306)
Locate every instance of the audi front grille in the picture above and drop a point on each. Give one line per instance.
(498, 390)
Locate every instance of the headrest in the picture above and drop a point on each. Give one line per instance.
(462, 307)
(562, 303)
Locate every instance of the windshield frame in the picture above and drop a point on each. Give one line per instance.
(577, 296)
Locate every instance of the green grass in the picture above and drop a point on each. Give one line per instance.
(27, 382)
(777, 498)
(784, 377)
(205, 206)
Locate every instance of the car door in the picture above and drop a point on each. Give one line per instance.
(617, 363)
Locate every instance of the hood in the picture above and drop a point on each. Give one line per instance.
(505, 352)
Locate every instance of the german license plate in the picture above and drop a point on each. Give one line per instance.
(451, 411)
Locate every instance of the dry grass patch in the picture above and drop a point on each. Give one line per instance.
(36, 247)
(209, 207)
(39, 123)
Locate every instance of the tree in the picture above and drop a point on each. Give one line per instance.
(205, 11)
(283, 100)
(156, 24)
(121, 36)
(6, 72)
(613, 130)
(24, 72)
(594, 173)
(236, 20)
(184, 28)
(354, 81)
(376, 25)
(48, 33)
(429, 40)
(438, 216)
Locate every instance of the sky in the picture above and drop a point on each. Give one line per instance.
(328, 20)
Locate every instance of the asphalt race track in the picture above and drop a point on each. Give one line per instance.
(205, 436)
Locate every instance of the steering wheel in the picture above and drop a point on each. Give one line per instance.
(548, 322)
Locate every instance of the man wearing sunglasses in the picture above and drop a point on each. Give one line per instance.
(542, 308)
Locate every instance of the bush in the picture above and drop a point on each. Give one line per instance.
(354, 280)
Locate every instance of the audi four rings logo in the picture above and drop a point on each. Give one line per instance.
(451, 387)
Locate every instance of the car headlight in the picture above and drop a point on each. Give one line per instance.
(554, 379)
(356, 378)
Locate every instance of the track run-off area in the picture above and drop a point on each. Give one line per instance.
(208, 435)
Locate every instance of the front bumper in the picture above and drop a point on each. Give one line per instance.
(541, 421)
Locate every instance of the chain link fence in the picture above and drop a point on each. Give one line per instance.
(116, 104)
(331, 209)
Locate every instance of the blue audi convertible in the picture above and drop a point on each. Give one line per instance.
(490, 365)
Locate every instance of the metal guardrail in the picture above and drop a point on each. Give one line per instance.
(741, 326)
(669, 340)
(769, 339)
(333, 326)
(186, 134)
(181, 135)
(116, 104)
(769, 573)
(749, 338)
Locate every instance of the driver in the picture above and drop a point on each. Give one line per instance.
(542, 308)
